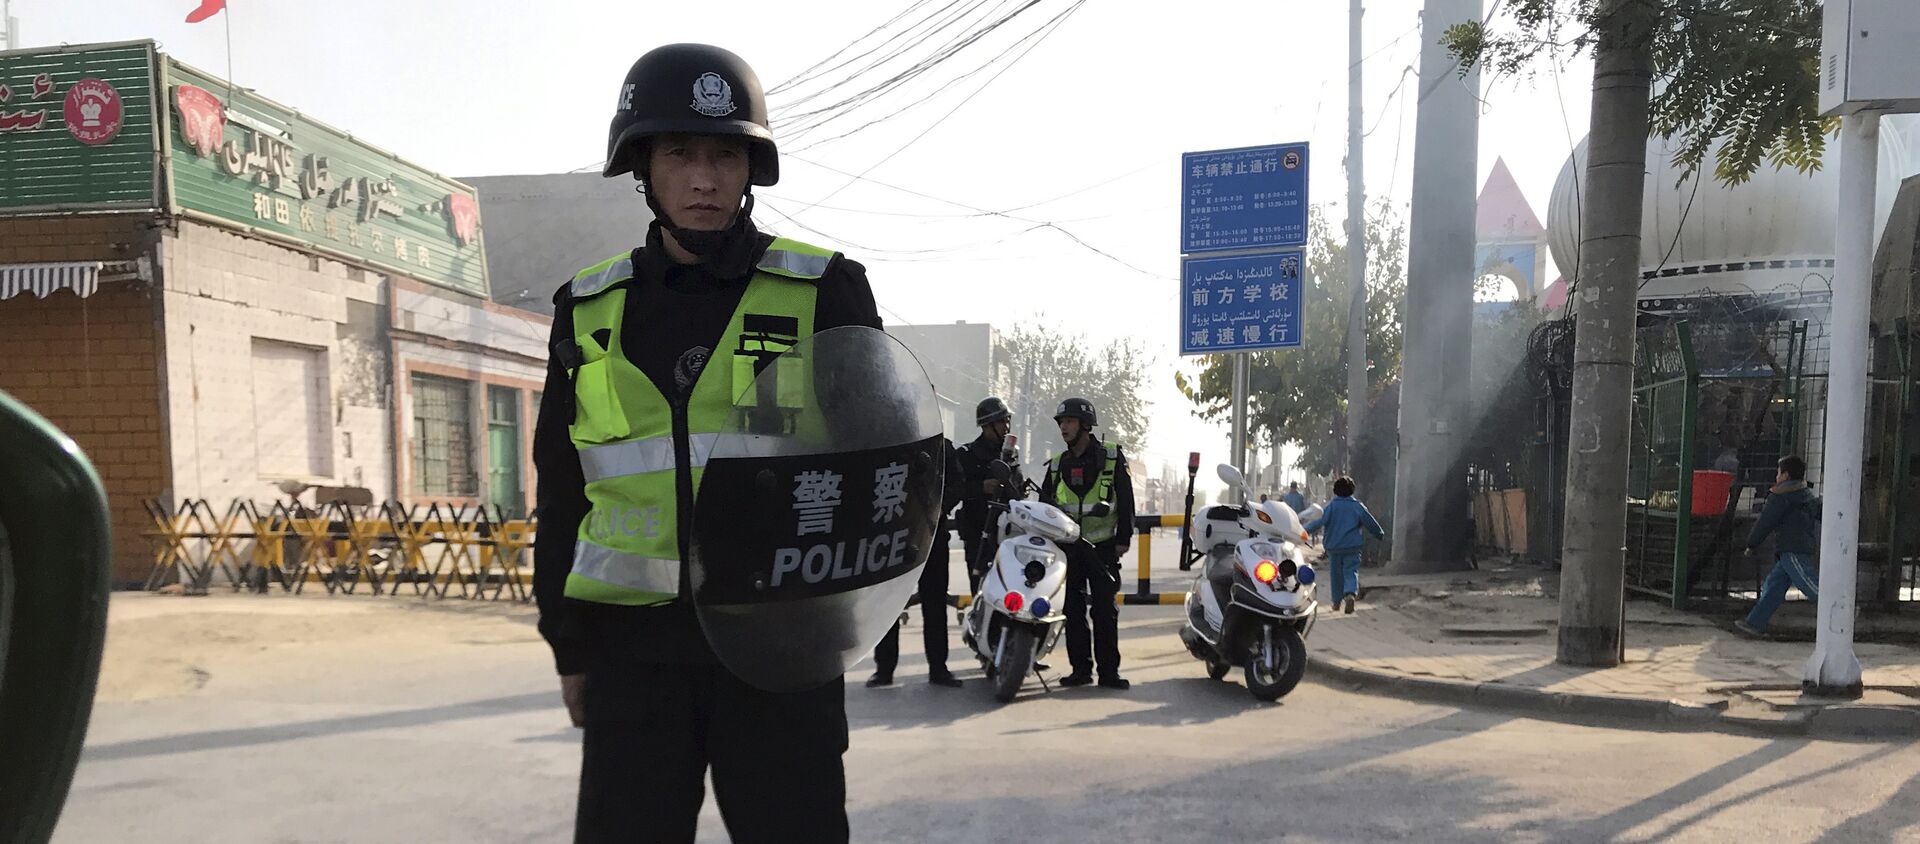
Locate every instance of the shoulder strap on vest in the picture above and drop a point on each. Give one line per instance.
(601, 276)
(793, 259)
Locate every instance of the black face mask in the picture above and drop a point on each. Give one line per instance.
(704, 244)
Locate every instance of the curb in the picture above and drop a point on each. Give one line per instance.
(1667, 714)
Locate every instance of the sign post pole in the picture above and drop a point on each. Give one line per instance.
(1240, 411)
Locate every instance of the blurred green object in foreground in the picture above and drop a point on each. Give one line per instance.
(55, 549)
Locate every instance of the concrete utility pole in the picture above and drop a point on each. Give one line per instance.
(1833, 670)
(1593, 575)
(1430, 494)
(1356, 246)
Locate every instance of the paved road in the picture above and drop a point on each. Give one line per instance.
(458, 737)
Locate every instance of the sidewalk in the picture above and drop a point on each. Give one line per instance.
(1488, 637)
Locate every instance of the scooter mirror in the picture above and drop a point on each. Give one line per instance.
(1001, 471)
(1232, 476)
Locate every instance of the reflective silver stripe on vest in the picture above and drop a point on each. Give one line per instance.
(628, 571)
(639, 457)
(588, 285)
(797, 263)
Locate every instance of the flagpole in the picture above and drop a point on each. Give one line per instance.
(226, 17)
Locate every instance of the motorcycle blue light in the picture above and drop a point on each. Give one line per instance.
(1041, 607)
(1305, 575)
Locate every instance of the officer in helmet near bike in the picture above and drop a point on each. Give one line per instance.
(980, 486)
(1089, 482)
(648, 348)
(932, 593)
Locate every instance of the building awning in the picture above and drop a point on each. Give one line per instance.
(81, 277)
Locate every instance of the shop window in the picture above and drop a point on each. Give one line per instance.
(443, 437)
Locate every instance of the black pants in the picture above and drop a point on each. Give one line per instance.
(652, 733)
(1093, 580)
(933, 617)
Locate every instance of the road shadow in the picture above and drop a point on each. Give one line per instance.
(1271, 799)
(1176, 702)
(318, 728)
(1899, 812)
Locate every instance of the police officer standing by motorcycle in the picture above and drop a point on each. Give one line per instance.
(932, 595)
(981, 487)
(1091, 485)
(649, 349)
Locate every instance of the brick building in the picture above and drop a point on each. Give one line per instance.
(213, 293)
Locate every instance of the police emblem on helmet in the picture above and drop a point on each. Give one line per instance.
(712, 96)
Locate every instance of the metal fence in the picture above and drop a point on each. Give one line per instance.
(1726, 383)
(433, 550)
(1890, 534)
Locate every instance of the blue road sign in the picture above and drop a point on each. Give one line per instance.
(1248, 198)
(1241, 303)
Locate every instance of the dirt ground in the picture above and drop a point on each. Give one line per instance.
(161, 646)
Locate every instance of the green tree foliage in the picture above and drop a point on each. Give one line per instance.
(1739, 78)
(1113, 375)
(1299, 396)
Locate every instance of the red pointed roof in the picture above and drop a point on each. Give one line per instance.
(1504, 213)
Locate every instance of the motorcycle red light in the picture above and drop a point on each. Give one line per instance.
(1015, 602)
(1266, 571)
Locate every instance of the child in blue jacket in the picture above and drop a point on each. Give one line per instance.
(1346, 522)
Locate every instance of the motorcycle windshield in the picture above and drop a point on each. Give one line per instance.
(816, 507)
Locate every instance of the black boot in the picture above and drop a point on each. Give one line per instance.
(943, 677)
(1077, 678)
(1115, 682)
(878, 679)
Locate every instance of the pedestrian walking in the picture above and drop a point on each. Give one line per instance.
(1346, 523)
(1792, 517)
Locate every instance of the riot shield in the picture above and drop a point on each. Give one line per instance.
(816, 508)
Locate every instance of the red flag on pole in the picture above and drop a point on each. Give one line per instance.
(208, 8)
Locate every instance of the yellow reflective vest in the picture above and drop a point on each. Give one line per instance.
(1094, 529)
(642, 454)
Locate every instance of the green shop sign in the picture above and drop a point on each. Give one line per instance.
(77, 129)
(241, 160)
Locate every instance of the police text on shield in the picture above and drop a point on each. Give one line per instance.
(826, 562)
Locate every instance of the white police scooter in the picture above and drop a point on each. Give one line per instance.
(1253, 602)
(1015, 619)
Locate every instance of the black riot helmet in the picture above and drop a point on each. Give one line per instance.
(990, 410)
(1077, 408)
(690, 89)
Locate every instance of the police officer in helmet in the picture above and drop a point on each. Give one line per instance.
(932, 594)
(1089, 482)
(980, 486)
(648, 350)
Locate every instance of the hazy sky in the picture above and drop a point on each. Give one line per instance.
(1089, 124)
